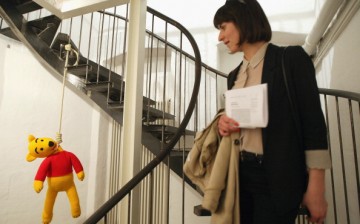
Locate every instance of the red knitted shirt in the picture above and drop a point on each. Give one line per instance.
(59, 164)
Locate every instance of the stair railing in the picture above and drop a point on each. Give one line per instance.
(342, 114)
(128, 187)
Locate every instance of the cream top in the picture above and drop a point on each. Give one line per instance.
(250, 74)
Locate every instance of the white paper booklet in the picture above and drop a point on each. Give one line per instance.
(248, 106)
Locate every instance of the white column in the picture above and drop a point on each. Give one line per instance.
(327, 14)
(132, 117)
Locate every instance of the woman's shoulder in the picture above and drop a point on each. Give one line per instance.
(296, 50)
(273, 46)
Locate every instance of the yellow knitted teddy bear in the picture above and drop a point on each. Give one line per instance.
(57, 167)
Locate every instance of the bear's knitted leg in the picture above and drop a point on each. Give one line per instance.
(49, 205)
(74, 201)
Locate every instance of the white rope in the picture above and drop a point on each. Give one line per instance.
(68, 49)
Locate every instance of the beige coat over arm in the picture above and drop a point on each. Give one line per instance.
(212, 165)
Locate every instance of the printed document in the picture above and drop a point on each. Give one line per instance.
(248, 106)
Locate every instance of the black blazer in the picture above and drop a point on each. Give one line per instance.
(284, 157)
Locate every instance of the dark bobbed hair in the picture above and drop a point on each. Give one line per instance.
(248, 17)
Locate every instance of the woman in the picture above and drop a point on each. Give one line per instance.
(278, 171)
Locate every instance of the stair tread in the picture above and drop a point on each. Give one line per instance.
(168, 129)
(27, 6)
(154, 113)
(158, 113)
(62, 39)
(200, 211)
(98, 86)
(45, 28)
(180, 152)
(8, 32)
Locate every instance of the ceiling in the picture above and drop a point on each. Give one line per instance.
(303, 22)
(70, 8)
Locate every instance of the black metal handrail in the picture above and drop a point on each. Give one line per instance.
(340, 93)
(127, 188)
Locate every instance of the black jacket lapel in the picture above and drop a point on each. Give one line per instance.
(270, 67)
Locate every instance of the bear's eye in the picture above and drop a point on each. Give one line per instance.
(42, 149)
(42, 140)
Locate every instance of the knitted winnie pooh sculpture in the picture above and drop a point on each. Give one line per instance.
(57, 167)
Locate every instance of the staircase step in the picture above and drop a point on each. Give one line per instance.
(116, 105)
(8, 32)
(45, 28)
(62, 39)
(80, 70)
(150, 114)
(58, 46)
(26, 6)
(91, 72)
(102, 86)
(179, 153)
(200, 211)
(155, 113)
(169, 131)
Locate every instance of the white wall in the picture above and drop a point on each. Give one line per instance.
(30, 104)
(339, 68)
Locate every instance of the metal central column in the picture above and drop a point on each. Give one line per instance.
(132, 123)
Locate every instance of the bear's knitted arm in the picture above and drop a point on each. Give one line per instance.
(76, 163)
(43, 170)
(77, 166)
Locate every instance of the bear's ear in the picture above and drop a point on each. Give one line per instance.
(30, 138)
(30, 158)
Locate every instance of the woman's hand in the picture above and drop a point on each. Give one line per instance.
(314, 197)
(226, 125)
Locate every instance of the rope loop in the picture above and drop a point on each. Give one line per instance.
(58, 138)
(68, 48)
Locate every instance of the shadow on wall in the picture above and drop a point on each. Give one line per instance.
(3, 47)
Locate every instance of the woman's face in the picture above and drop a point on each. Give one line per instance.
(230, 36)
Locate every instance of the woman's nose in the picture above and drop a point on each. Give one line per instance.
(221, 36)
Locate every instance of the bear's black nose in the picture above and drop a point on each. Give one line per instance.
(51, 143)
